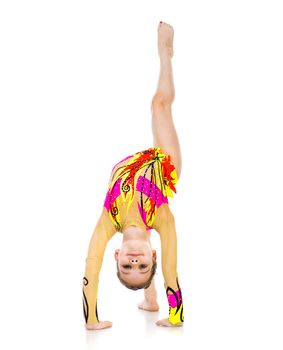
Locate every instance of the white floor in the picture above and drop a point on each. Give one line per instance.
(231, 301)
(75, 74)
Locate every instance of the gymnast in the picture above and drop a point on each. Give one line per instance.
(136, 202)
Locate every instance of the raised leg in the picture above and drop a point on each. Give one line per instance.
(163, 128)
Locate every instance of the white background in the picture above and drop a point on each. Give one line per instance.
(77, 79)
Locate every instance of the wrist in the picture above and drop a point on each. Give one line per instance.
(175, 302)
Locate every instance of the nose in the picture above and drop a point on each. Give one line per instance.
(134, 261)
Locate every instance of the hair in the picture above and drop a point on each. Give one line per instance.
(144, 285)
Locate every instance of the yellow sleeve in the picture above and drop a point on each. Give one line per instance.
(103, 232)
(164, 224)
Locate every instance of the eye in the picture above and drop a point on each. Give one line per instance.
(143, 266)
(127, 266)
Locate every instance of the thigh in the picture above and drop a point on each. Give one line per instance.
(164, 133)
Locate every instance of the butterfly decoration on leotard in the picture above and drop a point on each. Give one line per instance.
(150, 172)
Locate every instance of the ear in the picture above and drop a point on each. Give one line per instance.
(116, 254)
(154, 254)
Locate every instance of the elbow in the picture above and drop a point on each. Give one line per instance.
(170, 271)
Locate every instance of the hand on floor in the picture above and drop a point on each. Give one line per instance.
(165, 322)
(98, 325)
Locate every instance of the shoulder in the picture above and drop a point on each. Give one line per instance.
(163, 217)
(106, 222)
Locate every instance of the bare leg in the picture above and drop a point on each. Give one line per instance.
(150, 295)
(163, 129)
(150, 298)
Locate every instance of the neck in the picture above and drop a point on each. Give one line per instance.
(136, 233)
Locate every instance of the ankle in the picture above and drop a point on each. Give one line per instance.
(165, 54)
(151, 298)
(151, 301)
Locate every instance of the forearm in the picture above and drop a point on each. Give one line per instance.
(101, 235)
(175, 302)
(90, 289)
(169, 267)
(174, 294)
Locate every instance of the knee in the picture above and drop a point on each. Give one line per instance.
(160, 100)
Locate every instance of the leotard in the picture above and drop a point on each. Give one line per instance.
(146, 179)
(138, 191)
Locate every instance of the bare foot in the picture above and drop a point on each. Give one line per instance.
(148, 306)
(165, 39)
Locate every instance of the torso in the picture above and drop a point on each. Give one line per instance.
(139, 185)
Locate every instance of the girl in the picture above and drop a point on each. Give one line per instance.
(136, 202)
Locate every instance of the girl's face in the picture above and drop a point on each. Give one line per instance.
(135, 260)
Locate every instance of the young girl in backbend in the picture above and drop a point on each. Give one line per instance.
(136, 202)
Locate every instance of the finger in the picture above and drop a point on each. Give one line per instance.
(163, 322)
(99, 325)
(106, 324)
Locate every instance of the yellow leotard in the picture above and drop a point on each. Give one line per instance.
(145, 180)
(138, 192)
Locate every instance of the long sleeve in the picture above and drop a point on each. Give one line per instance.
(103, 232)
(165, 225)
